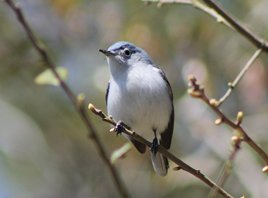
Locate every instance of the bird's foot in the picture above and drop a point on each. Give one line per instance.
(154, 146)
(119, 127)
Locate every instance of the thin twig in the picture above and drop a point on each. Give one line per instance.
(79, 105)
(228, 166)
(252, 37)
(221, 16)
(182, 165)
(196, 4)
(161, 2)
(233, 84)
(196, 91)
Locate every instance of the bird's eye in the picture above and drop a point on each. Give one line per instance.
(127, 52)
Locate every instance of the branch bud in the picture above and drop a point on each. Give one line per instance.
(159, 5)
(214, 102)
(239, 117)
(177, 168)
(80, 99)
(112, 130)
(236, 140)
(194, 93)
(265, 169)
(230, 84)
(91, 107)
(218, 121)
(191, 78)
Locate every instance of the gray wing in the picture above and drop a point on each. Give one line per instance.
(166, 135)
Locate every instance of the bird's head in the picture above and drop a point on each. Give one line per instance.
(123, 55)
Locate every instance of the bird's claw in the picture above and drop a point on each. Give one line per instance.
(154, 146)
(119, 127)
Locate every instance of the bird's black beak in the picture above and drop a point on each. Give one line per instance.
(107, 52)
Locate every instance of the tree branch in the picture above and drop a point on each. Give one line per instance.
(196, 91)
(233, 84)
(79, 105)
(228, 166)
(196, 4)
(221, 16)
(252, 37)
(182, 165)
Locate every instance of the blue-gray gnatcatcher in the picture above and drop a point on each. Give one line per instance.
(140, 96)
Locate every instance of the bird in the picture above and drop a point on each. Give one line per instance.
(139, 95)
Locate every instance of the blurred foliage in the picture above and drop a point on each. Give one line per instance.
(48, 78)
(44, 149)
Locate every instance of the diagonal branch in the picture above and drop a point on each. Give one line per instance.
(252, 37)
(233, 84)
(222, 16)
(196, 4)
(78, 104)
(228, 166)
(182, 165)
(196, 91)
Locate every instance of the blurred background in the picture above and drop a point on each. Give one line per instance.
(44, 149)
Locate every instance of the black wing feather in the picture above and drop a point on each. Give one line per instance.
(166, 136)
(107, 93)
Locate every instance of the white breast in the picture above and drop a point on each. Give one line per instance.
(140, 98)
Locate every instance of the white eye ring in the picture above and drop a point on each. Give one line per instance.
(127, 52)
